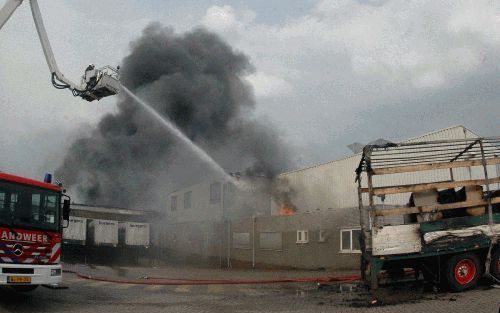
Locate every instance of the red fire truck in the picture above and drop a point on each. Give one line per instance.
(31, 221)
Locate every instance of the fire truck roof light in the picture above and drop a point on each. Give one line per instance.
(48, 178)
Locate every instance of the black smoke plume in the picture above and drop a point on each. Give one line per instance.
(198, 82)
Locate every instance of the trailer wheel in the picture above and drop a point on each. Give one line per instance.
(495, 264)
(463, 271)
(24, 288)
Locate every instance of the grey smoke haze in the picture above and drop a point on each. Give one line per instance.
(198, 82)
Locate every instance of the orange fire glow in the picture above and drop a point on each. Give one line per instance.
(287, 211)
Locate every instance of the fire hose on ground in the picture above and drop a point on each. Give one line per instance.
(167, 281)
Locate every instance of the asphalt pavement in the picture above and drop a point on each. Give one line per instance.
(83, 295)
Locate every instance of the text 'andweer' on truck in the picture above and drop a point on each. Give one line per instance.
(31, 221)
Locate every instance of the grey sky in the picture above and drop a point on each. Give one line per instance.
(327, 72)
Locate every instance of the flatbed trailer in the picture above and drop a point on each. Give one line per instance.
(451, 229)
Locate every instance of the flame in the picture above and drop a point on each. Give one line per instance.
(287, 211)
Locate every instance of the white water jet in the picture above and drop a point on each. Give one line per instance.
(171, 128)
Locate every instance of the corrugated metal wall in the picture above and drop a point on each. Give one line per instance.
(331, 185)
(323, 187)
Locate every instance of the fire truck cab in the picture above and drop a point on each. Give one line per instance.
(31, 221)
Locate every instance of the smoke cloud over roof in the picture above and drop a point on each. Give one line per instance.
(198, 82)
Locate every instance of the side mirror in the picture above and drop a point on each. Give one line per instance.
(66, 209)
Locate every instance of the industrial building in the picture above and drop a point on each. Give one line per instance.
(196, 216)
(94, 233)
(318, 228)
(84, 219)
(331, 186)
(217, 200)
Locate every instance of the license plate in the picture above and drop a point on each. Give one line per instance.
(18, 279)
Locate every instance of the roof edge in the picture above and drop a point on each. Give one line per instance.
(360, 153)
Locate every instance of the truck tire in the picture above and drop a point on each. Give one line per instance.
(495, 263)
(463, 271)
(24, 288)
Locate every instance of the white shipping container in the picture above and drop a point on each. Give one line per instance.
(76, 230)
(134, 234)
(103, 232)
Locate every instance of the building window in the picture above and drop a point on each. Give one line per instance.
(271, 241)
(215, 192)
(302, 236)
(241, 241)
(349, 240)
(173, 203)
(187, 200)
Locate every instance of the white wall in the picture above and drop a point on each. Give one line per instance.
(201, 209)
(251, 198)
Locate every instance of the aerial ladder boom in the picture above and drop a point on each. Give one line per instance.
(7, 10)
(96, 83)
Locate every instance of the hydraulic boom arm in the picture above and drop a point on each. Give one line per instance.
(95, 83)
(7, 10)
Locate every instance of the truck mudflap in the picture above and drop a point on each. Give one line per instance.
(30, 274)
